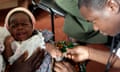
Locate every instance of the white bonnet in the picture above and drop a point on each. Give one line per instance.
(19, 9)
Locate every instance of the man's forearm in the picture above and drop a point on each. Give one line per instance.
(98, 55)
(101, 54)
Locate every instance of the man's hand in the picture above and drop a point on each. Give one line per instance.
(63, 67)
(54, 51)
(29, 65)
(78, 53)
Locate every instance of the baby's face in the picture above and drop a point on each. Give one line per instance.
(20, 26)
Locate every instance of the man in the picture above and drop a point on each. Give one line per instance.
(104, 14)
(76, 26)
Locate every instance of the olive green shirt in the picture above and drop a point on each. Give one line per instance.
(76, 26)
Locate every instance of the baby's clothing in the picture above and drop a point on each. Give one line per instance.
(29, 45)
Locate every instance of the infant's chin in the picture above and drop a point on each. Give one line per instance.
(21, 39)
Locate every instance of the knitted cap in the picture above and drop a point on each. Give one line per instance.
(16, 10)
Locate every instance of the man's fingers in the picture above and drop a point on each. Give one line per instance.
(37, 62)
(67, 64)
(70, 50)
(56, 69)
(34, 56)
(22, 57)
(60, 67)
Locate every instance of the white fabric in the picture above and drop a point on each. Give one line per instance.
(29, 45)
(2, 64)
(118, 52)
(3, 34)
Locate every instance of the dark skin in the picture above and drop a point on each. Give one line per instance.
(21, 29)
(29, 65)
(22, 65)
(20, 26)
(63, 67)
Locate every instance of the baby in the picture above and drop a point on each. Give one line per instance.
(20, 23)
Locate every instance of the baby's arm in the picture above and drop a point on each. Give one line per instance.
(8, 50)
(54, 51)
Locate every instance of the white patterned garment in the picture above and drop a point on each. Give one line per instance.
(29, 45)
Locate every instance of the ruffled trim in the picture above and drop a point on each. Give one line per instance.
(29, 45)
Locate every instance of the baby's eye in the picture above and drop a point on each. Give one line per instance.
(25, 24)
(13, 25)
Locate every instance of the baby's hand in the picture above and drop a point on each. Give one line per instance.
(54, 51)
(8, 50)
(9, 39)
